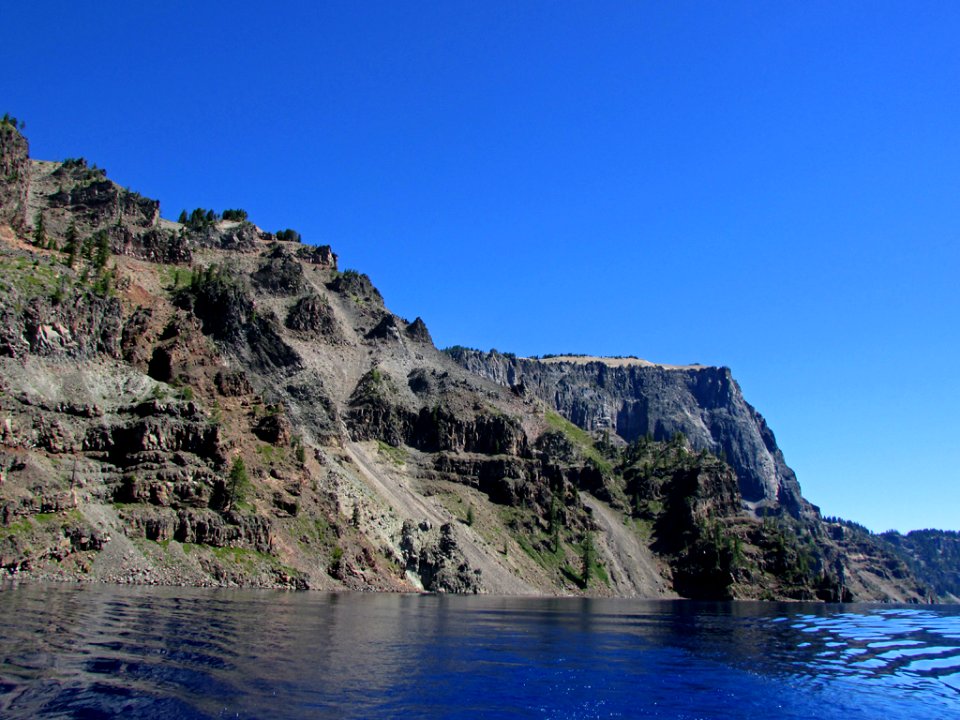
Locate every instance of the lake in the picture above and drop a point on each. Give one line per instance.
(104, 651)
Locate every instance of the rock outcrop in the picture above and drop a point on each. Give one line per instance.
(14, 175)
(436, 559)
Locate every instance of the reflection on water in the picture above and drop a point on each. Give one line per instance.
(108, 652)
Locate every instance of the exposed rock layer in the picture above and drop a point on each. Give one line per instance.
(635, 400)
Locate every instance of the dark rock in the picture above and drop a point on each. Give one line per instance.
(14, 177)
(133, 337)
(421, 382)
(82, 325)
(224, 306)
(357, 286)
(233, 383)
(312, 315)
(94, 201)
(438, 560)
(241, 237)
(505, 480)
(274, 428)
(312, 407)
(377, 413)
(318, 255)
(280, 275)
(206, 527)
(417, 331)
(161, 365)
(158, 434)
(284, 505)
(153, 244)
(387, 329)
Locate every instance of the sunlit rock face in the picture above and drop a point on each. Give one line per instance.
(632, 398)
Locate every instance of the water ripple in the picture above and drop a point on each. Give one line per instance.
(154, 653)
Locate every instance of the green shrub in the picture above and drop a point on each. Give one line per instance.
(288, 235)
(238, 483)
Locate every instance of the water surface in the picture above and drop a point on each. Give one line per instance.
(99, 651)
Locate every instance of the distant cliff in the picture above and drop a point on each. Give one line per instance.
(933, 556)
(633, 398)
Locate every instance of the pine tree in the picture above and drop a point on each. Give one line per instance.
(89, 243)
(555, 522)
(71, 246)
(236, 482)
(183, 219)
(588, 554)
(102, 250)
(39, 231)
(103, 284)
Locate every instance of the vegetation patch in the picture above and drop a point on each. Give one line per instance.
(580, 438)
(396, 455)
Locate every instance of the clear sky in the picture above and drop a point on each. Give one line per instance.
(770, 186)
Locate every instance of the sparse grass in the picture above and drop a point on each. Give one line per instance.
(40, 521)
(531, 543)
(249, 561)
(20, 527)
(174, 277)
(642, 527)
(654, 507)
(30, 276)
(270, 453)
(396, 455)
(240, 556)
(311, 531)
(580, 438)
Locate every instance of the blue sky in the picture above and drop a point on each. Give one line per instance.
(774, 187)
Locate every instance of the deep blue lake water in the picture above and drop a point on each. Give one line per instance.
(98, 651)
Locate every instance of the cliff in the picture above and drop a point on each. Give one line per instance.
(632, 399)
(933, 556)
(209, 403)
(14, 174)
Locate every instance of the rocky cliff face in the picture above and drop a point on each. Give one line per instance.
(933, 556)
(198, 402)
(14, 175)
(634, 399)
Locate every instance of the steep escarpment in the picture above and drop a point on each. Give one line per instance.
(633, 399)
(201, 401)
(14, 174)
(933, 556)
